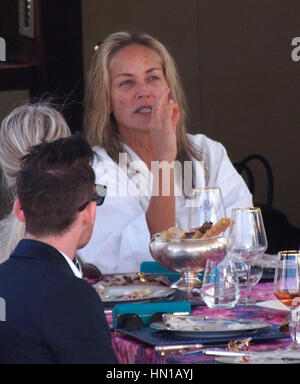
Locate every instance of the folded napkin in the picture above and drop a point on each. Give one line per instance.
(157, 269)
(146, 310)
(273, 304)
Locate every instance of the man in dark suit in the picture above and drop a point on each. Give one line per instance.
(51, 314)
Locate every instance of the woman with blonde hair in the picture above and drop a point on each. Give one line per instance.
(25, 126)
(135, 118)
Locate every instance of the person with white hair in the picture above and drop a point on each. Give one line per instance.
(25, 126)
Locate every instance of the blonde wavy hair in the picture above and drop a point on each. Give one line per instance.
(24, 127)
(99, 124)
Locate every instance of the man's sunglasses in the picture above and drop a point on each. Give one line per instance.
(98, 196)
(133, 321)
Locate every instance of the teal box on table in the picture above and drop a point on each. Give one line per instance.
(146, 310)
(157, 269)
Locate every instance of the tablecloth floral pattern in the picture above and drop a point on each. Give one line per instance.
(132, 351)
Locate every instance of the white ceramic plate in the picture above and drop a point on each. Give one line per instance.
(254, 360)
(132, 293)
(268, 261)
(212, 327)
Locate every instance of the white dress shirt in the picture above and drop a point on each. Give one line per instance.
(120, 240)
(75, 270)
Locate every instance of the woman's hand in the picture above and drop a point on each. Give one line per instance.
(164, 119)
(163, 123)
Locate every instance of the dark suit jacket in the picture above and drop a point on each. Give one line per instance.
(51, 315)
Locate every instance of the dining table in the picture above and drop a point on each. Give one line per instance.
(132, 348)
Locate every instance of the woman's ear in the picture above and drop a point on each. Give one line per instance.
(18, 211)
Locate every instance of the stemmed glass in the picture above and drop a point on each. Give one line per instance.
(256, 271)
(287, 289)
(247, 240)
(207, 205)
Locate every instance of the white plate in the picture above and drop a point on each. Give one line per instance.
(254, 360)
(132, 293)
(212, 327)
(268, 261)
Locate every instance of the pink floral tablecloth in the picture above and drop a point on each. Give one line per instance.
(133, 351)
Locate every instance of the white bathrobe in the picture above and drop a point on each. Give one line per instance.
(120, 240)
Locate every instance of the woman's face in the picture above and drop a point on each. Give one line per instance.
(136, 80)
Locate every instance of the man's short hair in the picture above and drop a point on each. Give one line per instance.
(54, 180)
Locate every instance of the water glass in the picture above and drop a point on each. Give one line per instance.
(220, 287)
(294, 327)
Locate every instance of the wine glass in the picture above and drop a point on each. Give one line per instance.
(207, 205)
(247, 240)
(256, 271)
(287, 289)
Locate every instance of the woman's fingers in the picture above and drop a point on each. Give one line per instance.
(165, 112)
(164, 120)
(175, 116)
(161, 101)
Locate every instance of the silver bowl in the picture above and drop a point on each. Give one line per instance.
(187, 256)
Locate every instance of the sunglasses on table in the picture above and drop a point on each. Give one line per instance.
(134, 321)
(98, 197)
